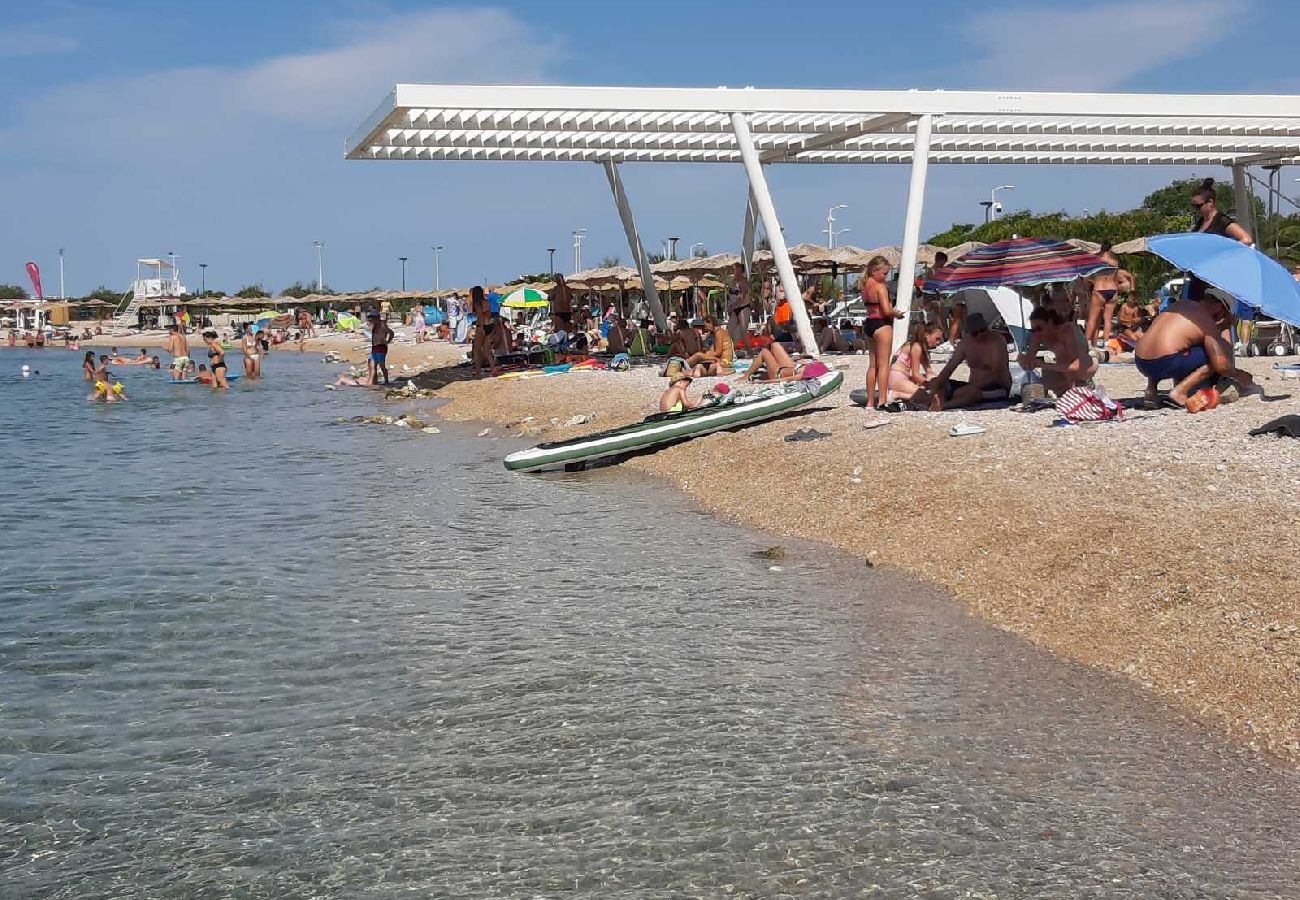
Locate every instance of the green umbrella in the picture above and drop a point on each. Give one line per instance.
(525, 298)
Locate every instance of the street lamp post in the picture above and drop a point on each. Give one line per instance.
(551, 250)
(830, 224)
(578, 235)
(437, 267)
(994, 208)
(402, 260)
(62, 295)
(203, 279)
(320, 265)
(672, 253)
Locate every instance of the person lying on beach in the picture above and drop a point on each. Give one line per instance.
(1072, 365)
(346, 380)
(773, 364)
(911, 367)
(1188, 343)
(985, 354)
(717, 360)
(829, 338)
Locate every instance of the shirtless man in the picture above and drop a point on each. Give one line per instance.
(717, 359)
(380, 337)
(985, 354)
(179, 348)
(686, 340)
(1187, 343)
(1072, 365)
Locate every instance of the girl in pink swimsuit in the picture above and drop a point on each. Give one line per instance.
(911, 367)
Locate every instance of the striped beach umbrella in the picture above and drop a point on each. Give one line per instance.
(525, 298)
(1019, 261)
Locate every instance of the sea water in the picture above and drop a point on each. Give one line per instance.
(248, 650)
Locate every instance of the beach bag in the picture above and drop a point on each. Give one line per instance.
(1082, 404)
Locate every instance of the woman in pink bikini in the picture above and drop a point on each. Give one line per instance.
(911, 368)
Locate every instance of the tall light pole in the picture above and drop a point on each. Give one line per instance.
(578, 235)
(320, 265)
(203, 279)
(402, 260)
(830, 224)
(551, 250)
(994, 209)
(62, 296)
(672, 253)
(437, 267)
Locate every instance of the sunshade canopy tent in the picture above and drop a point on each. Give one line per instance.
(610, 125)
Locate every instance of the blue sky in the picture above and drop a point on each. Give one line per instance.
(215, 129)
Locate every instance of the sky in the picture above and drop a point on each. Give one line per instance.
(215, 130)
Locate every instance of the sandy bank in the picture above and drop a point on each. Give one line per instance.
(1164, 548)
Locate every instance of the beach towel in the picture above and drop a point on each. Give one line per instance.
(1083, 404)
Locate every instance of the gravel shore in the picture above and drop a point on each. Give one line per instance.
(1163, 548)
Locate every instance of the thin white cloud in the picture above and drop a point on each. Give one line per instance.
(34, 41)
(1092, 47)
(213, 108)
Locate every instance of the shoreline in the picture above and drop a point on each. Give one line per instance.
(1158, 549)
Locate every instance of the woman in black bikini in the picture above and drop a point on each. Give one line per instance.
(216, 361)
(879, 329)
(1101, 304)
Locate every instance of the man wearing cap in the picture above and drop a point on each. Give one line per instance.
(1188, 343)
(985, 354)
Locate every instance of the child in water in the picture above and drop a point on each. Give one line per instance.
(106, 389)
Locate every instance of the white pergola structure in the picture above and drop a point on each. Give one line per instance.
(759, 127)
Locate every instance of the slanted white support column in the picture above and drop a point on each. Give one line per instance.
(634, 244)
(912, 225)
(780, 254)
(1245, 200)
(750, 237)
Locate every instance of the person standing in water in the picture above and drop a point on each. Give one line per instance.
(216, 361)
(179, 347)
(88, 366)
(252, 351)
(380, 336)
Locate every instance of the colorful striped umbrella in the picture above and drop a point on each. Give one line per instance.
(526, 298)
(1020, 261)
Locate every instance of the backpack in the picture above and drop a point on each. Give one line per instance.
(1082, 404)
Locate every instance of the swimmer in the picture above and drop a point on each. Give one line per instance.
(88, 366)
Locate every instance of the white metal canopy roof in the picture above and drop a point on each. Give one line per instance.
(597, 124)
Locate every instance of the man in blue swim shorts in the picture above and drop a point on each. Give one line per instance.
(380, 336)
(1190, 344)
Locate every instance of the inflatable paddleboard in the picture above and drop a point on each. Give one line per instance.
(767, 402)
(229, 378)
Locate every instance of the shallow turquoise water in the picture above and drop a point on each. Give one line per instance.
(248, 651)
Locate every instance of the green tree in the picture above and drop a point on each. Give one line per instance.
(297, 290)
(655, 258)
(252, 290)
(12, 292)
(106, 294)
(609, 262)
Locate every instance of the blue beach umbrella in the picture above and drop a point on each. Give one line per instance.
(1243, 272)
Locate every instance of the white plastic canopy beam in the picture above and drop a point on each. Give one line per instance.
(634, 244)
(772, 225)
(912, 229)
(1245, 204)
(749, 238)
